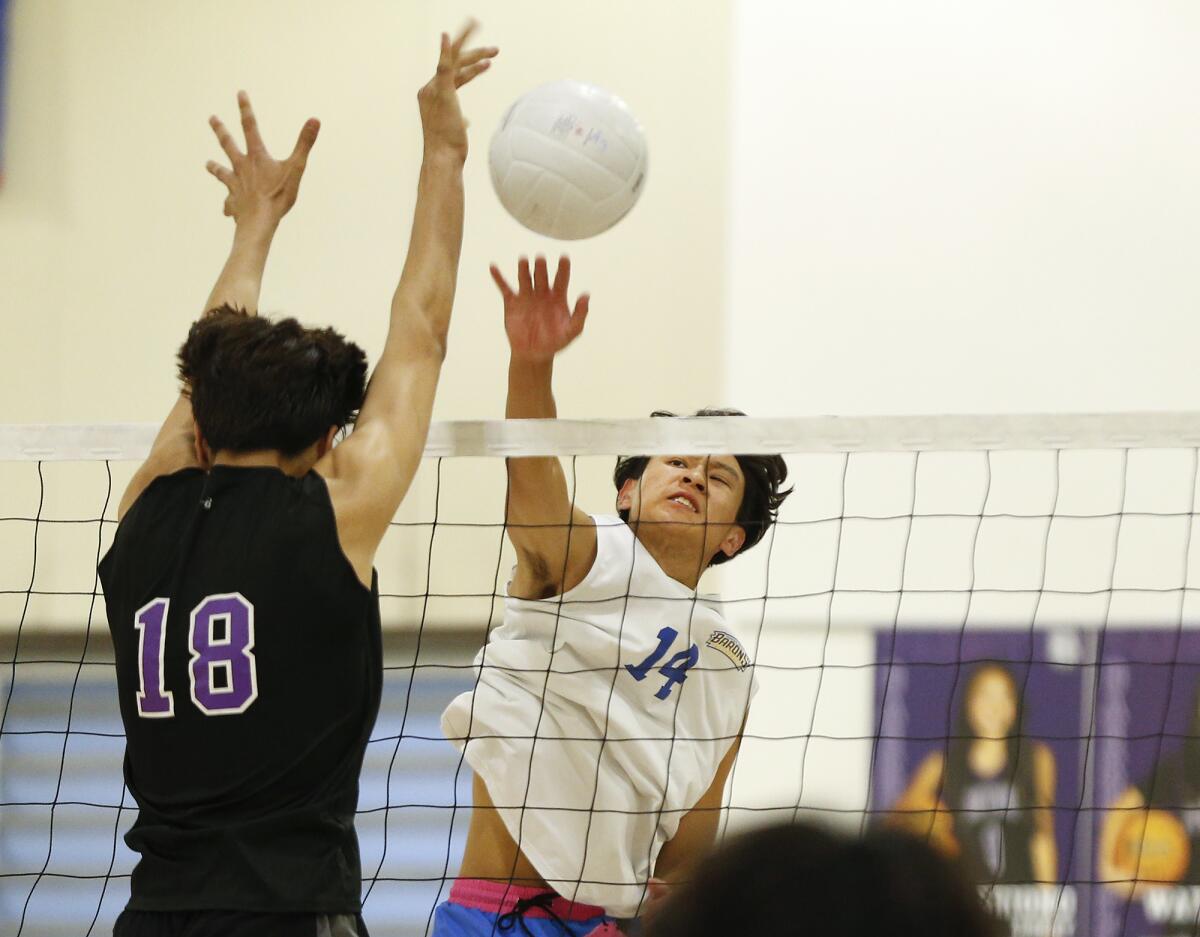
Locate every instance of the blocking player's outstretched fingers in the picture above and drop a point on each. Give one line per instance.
(538, 318)
(441, 117)
(260, 186)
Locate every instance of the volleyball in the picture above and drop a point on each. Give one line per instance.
(1153, 846)
(568, 160)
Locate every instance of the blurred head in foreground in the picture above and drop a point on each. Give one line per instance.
(806, 881)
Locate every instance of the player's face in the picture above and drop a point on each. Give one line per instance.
(698, 491)
(992, 707)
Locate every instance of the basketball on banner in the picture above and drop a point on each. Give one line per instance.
(1153, 846)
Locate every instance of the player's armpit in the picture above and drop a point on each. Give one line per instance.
(555, 540)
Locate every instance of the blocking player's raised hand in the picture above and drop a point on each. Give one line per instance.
(538, 319)
(261, 188)
(441, 117)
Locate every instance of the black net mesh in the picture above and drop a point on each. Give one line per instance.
(994, 648)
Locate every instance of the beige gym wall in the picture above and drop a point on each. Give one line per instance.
(111, 232)
(982, 207)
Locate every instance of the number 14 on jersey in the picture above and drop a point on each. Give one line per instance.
(675, 670)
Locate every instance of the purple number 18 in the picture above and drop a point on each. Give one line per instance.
(154, 701)
(223, 673)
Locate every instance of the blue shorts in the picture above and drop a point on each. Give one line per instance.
(480, 908)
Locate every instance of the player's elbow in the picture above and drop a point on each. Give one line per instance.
(435, 351)
(428, 345)
(419, 345)
(419, 330)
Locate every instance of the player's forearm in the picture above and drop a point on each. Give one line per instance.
(240, 281)
(530, 390)
(427, 283)
(537, 486)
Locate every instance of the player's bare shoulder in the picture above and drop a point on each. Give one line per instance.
(360, 516)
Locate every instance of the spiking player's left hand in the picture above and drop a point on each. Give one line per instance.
(537, 317)
(261, 188)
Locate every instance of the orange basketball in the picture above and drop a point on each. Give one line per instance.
(1153, 846)
(931, 820)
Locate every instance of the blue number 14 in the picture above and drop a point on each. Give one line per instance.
(675, 670)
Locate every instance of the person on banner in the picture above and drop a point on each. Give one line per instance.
(988, 798)
(1150, 834)
(240, 589)
(610, 702)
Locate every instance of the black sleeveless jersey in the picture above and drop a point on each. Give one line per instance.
(249, 671)
(994, 826)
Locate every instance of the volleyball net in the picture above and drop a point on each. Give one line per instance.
(981, 628)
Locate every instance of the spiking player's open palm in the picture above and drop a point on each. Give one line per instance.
(537, 317)
(258, 184)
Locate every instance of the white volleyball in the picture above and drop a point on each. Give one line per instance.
(568, 160)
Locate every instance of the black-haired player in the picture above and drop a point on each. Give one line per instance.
(240, 592)
(609, 704)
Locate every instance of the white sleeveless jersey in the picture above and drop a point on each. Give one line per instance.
(600, 717)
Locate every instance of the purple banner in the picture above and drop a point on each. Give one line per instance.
(981, 748)
(1147, 770)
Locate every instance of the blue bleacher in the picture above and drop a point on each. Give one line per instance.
(64, 869)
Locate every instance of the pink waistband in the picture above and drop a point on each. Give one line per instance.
(501, 897)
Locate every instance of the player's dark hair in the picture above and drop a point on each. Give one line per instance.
(257, 384)
(764, 474)
(798, 880)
